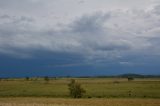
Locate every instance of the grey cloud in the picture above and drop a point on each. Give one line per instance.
(112, 47)
(14, 26)
(5, 16)
(18, 3)
(90, 23)
(94, 36)
(81, 1)
(10, 19)
(66, 65)
(26, 19)
(157, 9)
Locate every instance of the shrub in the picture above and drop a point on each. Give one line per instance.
(129, 93)
(46, 78)
(76, 91)
(116, 82)
(130, 78)
(27, 78)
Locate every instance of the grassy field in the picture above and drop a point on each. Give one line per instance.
(77, 102)
(95, 88)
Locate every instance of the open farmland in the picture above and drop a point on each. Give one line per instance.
(95, 88)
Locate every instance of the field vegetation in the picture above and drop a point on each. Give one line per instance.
(94, 87)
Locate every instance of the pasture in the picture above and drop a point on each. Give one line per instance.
(95, 88)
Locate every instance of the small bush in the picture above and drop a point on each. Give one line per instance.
(27, 78)
(89, 97)
(130, 78)
(76, 91)
(116, 82)
(46, 78)
(129, 93)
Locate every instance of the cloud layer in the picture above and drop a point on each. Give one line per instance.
(123, 35)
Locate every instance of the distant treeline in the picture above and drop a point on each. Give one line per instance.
(100, 76)
(130, 75)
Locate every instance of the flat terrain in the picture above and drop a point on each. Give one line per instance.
(95, 88)
(77, 102)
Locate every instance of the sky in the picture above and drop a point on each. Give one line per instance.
(79, 37)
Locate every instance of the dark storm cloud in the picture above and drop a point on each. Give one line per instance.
(99, 36)
(82, 37)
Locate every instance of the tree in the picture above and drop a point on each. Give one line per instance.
(46, 78)
(76, 91)
(130, 78)
(27, 78)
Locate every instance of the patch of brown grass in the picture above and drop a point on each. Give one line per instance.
(77, 102)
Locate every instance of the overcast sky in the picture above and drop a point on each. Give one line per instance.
(79, 37)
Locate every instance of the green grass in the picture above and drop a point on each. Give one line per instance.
(95, 88)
